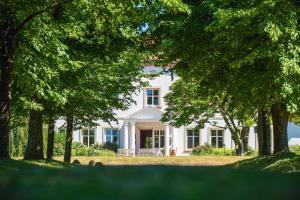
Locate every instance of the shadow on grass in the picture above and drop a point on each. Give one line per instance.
(38, 180)
(282, 162)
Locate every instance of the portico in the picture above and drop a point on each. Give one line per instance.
(145, 134)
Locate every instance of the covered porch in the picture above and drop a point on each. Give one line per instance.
(144, 134)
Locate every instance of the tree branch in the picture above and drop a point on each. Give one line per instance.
(216, 125)
(29, 18)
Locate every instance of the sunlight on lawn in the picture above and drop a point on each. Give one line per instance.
(151, 160)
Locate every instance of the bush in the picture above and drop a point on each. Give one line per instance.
(295, 149)
(79, 149)
(59, 143)
(59, 149)
(106, 146)
(206, 149)
(251, 152)
(105, 149)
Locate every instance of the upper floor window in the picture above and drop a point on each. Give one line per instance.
(111, 135)
(193, 138)
(152, 97)
(88, 137)
(217, 138)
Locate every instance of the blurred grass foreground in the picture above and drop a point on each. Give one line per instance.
(275, 177)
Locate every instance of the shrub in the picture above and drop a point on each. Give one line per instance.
(106, 146)
(295, 149)
(59, 149)
(206, 149)
(59, 143)
(202, 150)
(251, 152)
(79, 149)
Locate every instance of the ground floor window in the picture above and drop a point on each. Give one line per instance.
(159, 138)
(217, 138)
(193, 138)
(88, 137)
(112, 135)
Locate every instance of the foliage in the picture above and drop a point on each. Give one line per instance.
(206, 149)
(295, 149)
(242, 53)
(105, 149)
(106, 146)
(18, 141)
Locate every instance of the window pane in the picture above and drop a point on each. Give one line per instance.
(115, 140)
(92, 132)
(190, 133)
(220, 133)
(149, 100)
(156, 102)
(162, 141)
(156, 92)
(220, 142)
(214, 142)
(190, 142)
(156, 141)
(115, 132)
(85, 141)
(149, 92)
(92, 140)
(213, 133)
(196, 141)
(85, 132)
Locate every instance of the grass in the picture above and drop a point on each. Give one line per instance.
(151, 160)
(284, 162)
(157, 178)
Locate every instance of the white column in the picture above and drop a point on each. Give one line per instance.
(126, 136)
(167, 140)
(132, 139)
(174, 139)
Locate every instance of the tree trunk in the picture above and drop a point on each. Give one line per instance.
(69, 138)
(34, 150)
(245, 138)
(5, 99)
(263, 133)
(50, 143)
(6, 65)
(280, 118)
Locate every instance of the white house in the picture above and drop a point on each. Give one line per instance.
(139, 130)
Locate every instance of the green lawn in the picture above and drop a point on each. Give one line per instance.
(43, 180)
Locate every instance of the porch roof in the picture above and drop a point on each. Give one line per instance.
(145, 114)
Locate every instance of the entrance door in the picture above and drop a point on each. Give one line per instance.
(146, 139)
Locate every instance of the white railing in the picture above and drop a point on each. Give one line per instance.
(141, 152)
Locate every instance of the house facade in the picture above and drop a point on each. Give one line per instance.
(139, 130)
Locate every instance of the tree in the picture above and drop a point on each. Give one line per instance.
(248, 50)
(190, 103)
(33, 36)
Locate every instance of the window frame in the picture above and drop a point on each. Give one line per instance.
(217, 137)
(193, 137)
(152, 96)
(111, 136)
(88, 136)
(161, 138)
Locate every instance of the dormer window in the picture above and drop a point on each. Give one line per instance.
(152, 97)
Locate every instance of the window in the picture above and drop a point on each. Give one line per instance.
(159, 138)
(152, 97)
(88, 137)
(111, 135)
(193, 138)
(217, 138)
